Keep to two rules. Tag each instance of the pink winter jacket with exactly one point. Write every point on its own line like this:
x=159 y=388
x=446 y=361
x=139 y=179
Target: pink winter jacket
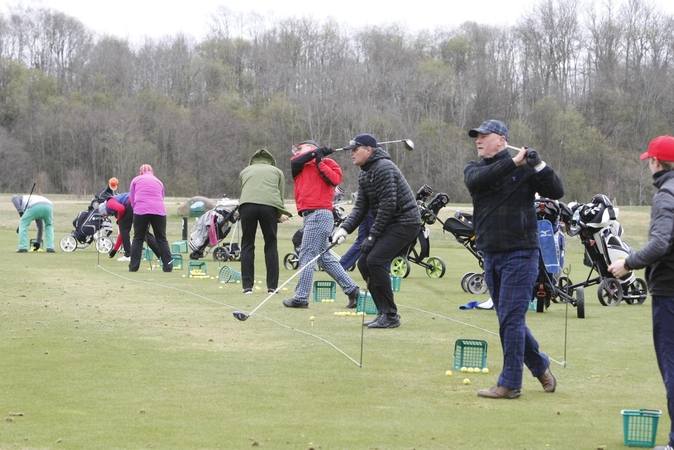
x=147 y=195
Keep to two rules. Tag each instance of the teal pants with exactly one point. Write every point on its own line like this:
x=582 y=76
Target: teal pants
x=44 y=212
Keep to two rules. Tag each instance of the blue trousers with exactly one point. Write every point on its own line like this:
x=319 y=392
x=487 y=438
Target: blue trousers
x=663 y=339
x=510 y=277
x=317 y=228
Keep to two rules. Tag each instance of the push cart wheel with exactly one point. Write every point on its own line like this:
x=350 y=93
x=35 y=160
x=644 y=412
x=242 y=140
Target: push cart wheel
x=564 y=284
x=235 y=255
x=464 y=281
x=436 y=267
x=636 y=292
x=220 y=254
x=103 y=244
x=476 y=284
x=580 y=302
x=291 y=261
x=68 y=243
x=610 y=292
x=400 y=267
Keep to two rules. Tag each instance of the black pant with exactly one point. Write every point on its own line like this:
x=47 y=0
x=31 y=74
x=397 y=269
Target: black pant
x=140 y=225
x=125 y=230
x=267 y=216
x=375 y=266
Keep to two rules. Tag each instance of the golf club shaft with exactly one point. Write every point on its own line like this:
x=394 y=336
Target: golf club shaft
x=29 y=196
x=310 y=263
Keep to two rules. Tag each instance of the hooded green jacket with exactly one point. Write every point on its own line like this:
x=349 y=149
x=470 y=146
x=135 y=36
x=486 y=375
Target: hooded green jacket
x=263 y=183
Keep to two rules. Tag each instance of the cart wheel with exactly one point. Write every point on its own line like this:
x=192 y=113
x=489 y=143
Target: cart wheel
x=637 y=292
x=291 y=261
x=68 y=243
x=564 y=284
x=464 y=281
x=437 y=267
x=103 y=244
x=580 y=302
x=476 y=284
x=235 y=255
x=400 y=267
x=610 y=292
x=220 y=254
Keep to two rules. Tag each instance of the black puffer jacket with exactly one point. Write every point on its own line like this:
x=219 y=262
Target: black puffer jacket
x=383 y=189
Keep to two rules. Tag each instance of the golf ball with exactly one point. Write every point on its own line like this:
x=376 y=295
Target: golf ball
x=312 y=318
x=470 y=370
x=448 y=373
x=466 y=381
x=485 y=370
x=464 y=369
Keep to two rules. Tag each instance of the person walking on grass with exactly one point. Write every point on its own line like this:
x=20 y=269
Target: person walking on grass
x=658 y=259
x=383 y=191
x=146 y=194
x=39 y=209
x=503 y=189
x=315 y=178
x=261 y=202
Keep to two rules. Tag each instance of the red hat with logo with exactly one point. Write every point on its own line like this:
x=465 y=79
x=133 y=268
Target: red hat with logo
x=661 y=148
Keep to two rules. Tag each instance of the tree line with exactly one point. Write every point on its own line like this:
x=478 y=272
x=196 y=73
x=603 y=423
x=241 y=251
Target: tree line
x=588 y=85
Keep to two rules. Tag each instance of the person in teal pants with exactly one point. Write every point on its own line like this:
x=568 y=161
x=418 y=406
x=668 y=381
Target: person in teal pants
x=39 y=209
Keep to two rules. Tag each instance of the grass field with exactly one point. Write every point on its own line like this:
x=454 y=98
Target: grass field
x=92 y=356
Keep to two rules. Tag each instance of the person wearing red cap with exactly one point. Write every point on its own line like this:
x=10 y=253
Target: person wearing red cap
x=657 y=257
x=146 y=194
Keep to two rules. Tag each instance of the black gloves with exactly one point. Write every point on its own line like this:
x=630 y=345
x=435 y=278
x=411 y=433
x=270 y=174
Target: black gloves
x=367 y=245
x=533 y=158
x=21 y=214
x=323 y=152
x=36 y=246
x=112 y=253
x=17 y=230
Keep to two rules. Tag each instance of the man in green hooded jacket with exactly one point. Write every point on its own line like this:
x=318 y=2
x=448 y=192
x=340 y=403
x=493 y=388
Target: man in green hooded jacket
x=261 y=201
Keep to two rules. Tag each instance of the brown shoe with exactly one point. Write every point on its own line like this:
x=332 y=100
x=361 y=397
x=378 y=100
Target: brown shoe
x=499 y=392
x=548 y=381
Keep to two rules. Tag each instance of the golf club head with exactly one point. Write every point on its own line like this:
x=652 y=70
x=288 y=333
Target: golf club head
x=238 y=315
x=408 y=144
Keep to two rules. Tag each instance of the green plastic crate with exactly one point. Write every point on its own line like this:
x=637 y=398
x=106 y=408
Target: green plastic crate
x=324 y=290
x=228 y=275
x=178 y=263
x=147 y=254
x=366 y=304
x=195 y=266
x=640 y=427
x=470 y=353
x=179 y=247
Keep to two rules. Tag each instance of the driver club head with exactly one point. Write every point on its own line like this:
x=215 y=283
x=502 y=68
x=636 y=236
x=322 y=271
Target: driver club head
x=240 y=316
x=408 y=144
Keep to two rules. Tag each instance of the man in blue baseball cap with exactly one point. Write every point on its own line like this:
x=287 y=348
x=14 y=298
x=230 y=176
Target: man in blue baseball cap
x=503 y=188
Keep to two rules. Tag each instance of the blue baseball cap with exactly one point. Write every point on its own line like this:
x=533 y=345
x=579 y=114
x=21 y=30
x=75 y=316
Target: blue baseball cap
x=366 y=140
x=490 y=126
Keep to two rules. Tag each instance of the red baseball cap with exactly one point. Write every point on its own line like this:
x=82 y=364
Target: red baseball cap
x=662 y=148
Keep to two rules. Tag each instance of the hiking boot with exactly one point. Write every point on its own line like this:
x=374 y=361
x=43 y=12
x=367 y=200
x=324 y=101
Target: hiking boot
x=368 y=323
x=50 y=250
x=294 y=303
x=21 y=250
x=499 y=392
x=548 y=381
x=386 y=321
x=353 y=298
x=247 y=291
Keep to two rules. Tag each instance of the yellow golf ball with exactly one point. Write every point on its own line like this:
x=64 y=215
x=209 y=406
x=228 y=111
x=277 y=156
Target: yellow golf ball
x=312 y=318
x=485 y=370
x=466 y=381
x=464 y=369
x=448 y=373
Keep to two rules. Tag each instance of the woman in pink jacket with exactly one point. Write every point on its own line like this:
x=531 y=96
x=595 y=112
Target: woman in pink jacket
x=147 y=199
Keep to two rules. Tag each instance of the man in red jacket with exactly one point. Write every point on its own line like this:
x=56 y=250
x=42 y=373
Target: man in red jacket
x=315 y=179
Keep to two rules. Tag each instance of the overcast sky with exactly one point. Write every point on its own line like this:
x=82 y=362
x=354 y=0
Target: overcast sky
x=135 y=19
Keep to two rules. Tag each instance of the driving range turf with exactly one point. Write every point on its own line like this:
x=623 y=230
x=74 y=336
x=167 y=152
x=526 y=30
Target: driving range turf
x=93 y=356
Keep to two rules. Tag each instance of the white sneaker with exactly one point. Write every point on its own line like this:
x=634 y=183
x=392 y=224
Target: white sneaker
x=124 y=259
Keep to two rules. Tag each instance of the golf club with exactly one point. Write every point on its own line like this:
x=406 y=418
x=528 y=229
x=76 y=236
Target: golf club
x=407 y=144
x=243 y=316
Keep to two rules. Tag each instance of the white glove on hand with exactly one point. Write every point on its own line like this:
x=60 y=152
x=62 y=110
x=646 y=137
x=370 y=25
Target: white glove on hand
x=339 y=236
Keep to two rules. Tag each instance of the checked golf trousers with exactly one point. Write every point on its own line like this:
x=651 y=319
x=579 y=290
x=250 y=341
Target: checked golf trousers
x=317 y=228
x=663 y=339
x=510 y=277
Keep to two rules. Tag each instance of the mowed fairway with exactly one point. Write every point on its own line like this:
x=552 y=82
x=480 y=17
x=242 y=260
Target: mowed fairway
x=92 y=356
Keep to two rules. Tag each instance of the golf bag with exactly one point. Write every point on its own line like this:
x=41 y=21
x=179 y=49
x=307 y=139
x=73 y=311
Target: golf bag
x=88 y=223
x=552 y=246
x=213 y=226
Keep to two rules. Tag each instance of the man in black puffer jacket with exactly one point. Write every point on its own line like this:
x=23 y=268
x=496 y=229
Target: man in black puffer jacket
x=382 y=189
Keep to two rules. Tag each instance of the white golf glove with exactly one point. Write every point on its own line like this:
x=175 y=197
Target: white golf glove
x=339 y=236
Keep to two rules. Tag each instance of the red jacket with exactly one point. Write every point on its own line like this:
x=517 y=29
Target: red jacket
x=314 y=183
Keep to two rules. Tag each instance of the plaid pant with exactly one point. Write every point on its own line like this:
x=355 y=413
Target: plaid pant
x=317 y=228
x=510 y=277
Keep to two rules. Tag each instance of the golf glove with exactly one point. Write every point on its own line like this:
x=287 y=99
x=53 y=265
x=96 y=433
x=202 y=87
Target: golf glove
x=339 y=236
x=367 y=245
x=112 y=253
x=323 y=152
x=36 y=246
x=533 y=158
